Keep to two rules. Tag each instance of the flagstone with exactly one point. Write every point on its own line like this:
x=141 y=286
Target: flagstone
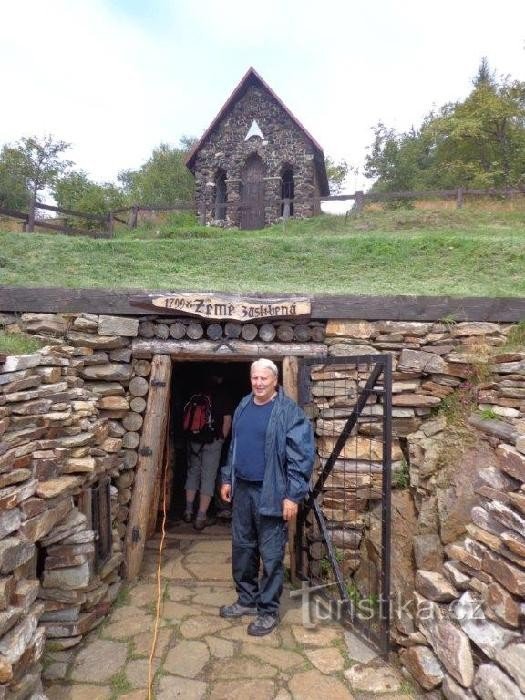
x=173 y=569
x=142 y=642
x=195 y=627
x=178 y=593
x=134 y=695
x=240 y=690
x=175 y=688
x=328 y=660
x=314 y=684
x=212 y=546
x=78 y=692
x=282 y=658
x=142 y=594
x=239 y=634
x=211 y=558
x=126 y=612
x=283 y=694
x=123 y=629
x=374 y=679
x=187 y=659
x=98 y=661
x=137 y=672
x=175 y=612
x=220 y=648
x=294 y=616
x=319 y=636
x=240 y=668
x=217 y=572
x=215 y=598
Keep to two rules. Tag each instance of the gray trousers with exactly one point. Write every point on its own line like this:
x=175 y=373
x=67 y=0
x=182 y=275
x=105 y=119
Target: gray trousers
x=203 y=464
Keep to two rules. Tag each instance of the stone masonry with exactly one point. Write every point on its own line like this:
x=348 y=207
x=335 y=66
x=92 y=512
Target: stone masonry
x=72 y=414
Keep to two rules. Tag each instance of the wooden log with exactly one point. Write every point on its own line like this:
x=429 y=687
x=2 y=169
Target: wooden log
x=137 y=404
x=232 y=329
x=177 y=330
x=285 y=332
x=302 y=333
x=267 y=332
x=232 y=348
x=138 y=386
x=162 y=331
x=291 y=389
x=214 y=331
x=147 y=329
x=249 y=331
x=149 y=465
x=317 y=333
x=195 y=331
x=130 y=441
x=142 y=368
x=132 y=422
x=131 y=458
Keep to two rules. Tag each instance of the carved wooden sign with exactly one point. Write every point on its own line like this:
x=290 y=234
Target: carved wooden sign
x=225 y=307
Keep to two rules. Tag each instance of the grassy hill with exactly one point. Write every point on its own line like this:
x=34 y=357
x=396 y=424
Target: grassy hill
x=453 y=252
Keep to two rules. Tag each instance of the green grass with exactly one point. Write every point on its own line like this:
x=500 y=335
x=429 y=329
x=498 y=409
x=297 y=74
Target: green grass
x=458 y=253
x=18 y=344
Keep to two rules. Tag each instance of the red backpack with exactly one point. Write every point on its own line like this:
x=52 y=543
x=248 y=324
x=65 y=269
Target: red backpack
x=197 y=420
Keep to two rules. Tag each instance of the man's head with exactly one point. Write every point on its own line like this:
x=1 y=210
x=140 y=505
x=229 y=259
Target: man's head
x=263 y=375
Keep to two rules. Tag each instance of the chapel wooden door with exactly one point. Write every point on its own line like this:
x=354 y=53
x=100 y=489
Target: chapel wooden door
x=252 y=205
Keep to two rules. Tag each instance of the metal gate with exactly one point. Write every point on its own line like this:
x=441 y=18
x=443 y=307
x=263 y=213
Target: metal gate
x=342 y=543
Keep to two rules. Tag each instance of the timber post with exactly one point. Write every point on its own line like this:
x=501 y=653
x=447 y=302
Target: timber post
x=151 y=451
x=291 y=389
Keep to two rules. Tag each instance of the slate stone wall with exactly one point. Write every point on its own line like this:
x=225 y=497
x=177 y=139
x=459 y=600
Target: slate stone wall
x=73 y=413
x=283 y=144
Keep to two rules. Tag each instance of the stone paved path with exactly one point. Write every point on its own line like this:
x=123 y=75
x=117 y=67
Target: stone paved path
x=200 y=655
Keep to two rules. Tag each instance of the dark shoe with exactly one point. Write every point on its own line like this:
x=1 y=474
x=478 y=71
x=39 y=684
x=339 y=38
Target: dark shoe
x=202 y=522
x=237 y=610
x=188 y=516
x=263 y=624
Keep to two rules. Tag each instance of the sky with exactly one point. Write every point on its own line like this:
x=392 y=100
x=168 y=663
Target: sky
x=115 y=78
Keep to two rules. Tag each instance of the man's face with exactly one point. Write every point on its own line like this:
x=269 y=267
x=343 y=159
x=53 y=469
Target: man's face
x=263 y=383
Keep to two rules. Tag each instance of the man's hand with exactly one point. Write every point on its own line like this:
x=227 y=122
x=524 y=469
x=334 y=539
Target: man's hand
x=290 y=509
x=226 y=493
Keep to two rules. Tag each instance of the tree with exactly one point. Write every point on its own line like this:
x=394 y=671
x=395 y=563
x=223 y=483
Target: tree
x=336 y=173
x=76 y=191
x=13 y=190
x=477 y=143
x=37 y=162
x=163 y=179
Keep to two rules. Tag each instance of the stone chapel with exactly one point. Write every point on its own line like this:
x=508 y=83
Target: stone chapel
x=256 y=162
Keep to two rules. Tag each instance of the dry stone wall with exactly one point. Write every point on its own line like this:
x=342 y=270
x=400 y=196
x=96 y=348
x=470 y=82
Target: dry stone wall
x=73 y=413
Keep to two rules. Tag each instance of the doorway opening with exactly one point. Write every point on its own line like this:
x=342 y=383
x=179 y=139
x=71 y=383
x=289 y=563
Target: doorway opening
x=188 y=378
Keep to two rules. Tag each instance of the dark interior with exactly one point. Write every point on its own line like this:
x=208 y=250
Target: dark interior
x=187 y=378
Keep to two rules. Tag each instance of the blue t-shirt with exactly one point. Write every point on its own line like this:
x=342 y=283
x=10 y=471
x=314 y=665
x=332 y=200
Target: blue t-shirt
x=250 y=437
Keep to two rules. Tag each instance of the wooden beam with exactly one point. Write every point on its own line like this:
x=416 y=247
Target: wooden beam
x=324 y=306
x=224 y=349
x=291 y=389
x=151 y=451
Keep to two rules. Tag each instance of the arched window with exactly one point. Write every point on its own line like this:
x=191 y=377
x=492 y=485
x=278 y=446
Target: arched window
x=220 y=195
x=287 y=191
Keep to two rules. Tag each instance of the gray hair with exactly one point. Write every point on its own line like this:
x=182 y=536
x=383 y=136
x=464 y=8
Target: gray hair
x=264 y=363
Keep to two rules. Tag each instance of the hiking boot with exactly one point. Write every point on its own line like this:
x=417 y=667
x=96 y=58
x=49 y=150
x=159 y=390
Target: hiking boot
x=187 y=516
x=237 y=610
x=263 y=624
x=202 y=521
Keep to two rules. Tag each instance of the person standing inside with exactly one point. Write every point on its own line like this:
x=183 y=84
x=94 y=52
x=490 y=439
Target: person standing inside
x=267 y=475
x=210 y=414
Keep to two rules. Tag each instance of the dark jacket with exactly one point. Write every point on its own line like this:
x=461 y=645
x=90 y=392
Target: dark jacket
x=289 y=454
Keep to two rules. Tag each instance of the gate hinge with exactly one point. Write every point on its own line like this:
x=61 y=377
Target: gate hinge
x=145 y=452
x=157 y=382
x=135 y=534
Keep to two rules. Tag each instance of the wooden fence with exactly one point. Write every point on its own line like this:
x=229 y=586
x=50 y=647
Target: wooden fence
x=107 y=221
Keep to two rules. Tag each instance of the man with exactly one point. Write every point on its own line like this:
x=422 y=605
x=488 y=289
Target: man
x=204 y=457
x=267 y=475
